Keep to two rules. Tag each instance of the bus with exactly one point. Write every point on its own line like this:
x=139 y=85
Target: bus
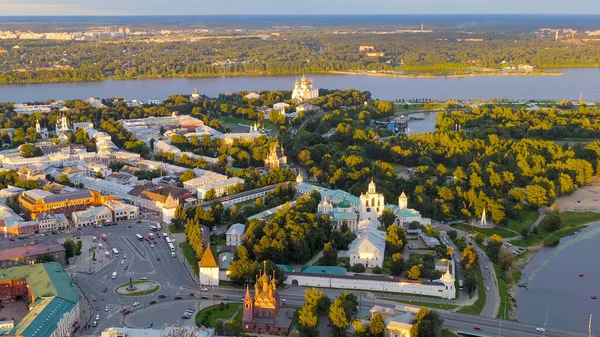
x=104 y=237
x=107 y=253
x=168 y=239
x=139 y=237
x=172 y=247
x=115 y=251
x=165 y=235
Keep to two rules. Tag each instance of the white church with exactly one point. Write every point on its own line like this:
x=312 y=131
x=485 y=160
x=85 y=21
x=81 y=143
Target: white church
x=304 y=90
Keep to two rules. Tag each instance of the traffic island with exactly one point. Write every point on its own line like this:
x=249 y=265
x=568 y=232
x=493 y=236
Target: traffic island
x=137 y=288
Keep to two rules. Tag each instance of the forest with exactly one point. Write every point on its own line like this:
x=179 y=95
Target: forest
x=294 y=52
x=456 y=174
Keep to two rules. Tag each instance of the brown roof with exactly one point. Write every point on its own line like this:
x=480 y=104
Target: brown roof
x=28 y=250
x=208 y=259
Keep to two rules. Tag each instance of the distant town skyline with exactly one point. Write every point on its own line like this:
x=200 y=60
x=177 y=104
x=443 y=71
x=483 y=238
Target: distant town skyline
x=240 y=7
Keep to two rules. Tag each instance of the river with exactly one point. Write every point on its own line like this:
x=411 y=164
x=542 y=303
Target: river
x=566 y=86
x=553 y=283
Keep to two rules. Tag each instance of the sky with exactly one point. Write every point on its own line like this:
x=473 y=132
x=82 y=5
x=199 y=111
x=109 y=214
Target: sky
x=211 y=7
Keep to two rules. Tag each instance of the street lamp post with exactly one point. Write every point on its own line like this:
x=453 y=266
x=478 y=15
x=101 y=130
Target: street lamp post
x=545 y=323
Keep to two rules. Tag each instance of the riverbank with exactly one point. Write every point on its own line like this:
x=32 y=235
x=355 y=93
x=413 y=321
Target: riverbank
x=458 y=74
x=481 y=72
x=572 y=224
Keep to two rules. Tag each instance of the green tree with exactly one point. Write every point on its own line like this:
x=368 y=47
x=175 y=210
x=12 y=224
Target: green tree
x=415 y=272
x=478 y=237
x=493 y=247
x=29 y=151
x=337 y=315
x=187 y=175
x=397 y=264
x=210 y=194
x=387 y=218
x=330 y=255
x=551 y=223
x=396 y=239
x=377 y=326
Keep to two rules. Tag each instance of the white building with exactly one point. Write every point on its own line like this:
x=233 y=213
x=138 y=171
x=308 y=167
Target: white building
x=304 y=90
x=372 y=203
x=163 y=146
x=208 y=269
x=50 y=222
x=342 y=213
x=83 y=125
x=92 y=216
x=122 y=211
x=205 y=177
x=62 y=125
x=397 y=321
x=252 y=95
x=221 y=188
x=43 y=132
x=93 y=169
x=31 y=109
x=103 y=186
x=369 y=246
x=235 y=234
x=281 y=106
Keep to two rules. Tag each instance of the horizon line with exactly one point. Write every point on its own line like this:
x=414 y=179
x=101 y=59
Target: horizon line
x=298 y=14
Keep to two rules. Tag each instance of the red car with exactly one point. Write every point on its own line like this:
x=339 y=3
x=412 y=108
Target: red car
x=94 y=298
x=126 y=311
x=121 y=248
x=477 y=328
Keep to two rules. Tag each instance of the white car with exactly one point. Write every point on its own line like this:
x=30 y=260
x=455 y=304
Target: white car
x=106 y=309
x=283 y=300
x=135 y=304
x=487 y=288
x=204 y=289
x=122 y=261
x=98 y=317
x=143 y=278
x=540 y=329
x=152 y=246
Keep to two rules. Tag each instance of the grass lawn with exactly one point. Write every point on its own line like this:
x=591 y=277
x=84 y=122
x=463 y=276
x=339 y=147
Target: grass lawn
x=503 y=285
x=441 y=306
x=476 y=308
x=448 y=333
x=571 y=222
x=139 y=293
x=174 y=229
x=190 y=255
x=217 y=240
x=215 y=313
x=525 y=221
x=486 y=231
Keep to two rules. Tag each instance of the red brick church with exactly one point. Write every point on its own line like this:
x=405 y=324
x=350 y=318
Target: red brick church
x=263 y=313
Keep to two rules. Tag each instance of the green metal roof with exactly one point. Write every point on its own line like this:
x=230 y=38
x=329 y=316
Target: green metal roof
x=328 y=270
x=285 y=268
x=54 y=295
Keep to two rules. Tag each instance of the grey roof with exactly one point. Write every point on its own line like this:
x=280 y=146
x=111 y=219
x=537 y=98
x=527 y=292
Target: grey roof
x=68 y=196
x=236 y=229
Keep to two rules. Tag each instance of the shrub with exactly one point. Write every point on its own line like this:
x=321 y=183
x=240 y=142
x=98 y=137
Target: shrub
x=551 y=223
x=358 y=268
x=221 y=306
x=376 y=270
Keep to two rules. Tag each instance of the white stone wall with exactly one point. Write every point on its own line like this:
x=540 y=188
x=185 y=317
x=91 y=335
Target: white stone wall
x=65 y=325
x=209 y=276
x=324 y=281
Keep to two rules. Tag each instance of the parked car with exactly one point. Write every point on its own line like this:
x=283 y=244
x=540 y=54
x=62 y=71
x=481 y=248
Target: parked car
x=97 y=317
x=95 y=323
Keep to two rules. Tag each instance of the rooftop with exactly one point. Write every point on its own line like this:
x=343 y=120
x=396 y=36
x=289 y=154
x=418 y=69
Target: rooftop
x=17 y=252
x=328 y=270
x=236 y=229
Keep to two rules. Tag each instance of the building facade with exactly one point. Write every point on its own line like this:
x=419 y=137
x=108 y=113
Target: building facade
x=304 y=90
x=92 y=216
x=263 y=314
x=235 y=234
x=208 y=269
x=32 y=254
x=34 y=202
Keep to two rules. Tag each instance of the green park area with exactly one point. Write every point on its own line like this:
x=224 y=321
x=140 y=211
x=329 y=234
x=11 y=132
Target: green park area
x=513 y=228
x=570 y=222
x=476 y=308
x=223 y=311
x=190 y=255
